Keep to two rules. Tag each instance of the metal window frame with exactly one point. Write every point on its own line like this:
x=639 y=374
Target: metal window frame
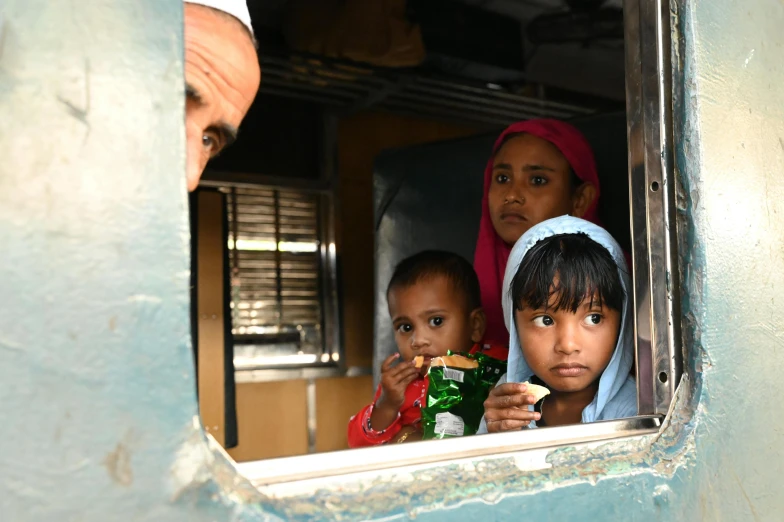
x=652 y=202
x=324 y=189
x=656 y=299
x=275 y=477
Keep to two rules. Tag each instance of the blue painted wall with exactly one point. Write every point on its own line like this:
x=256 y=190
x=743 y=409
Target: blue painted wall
x=96 y=384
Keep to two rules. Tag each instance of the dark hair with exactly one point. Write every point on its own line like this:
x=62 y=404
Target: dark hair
x=574 y=180
x=433 y=263
x=584 y=269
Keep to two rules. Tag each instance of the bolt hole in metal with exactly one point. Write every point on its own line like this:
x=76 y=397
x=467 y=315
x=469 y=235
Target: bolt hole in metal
x=663 y=377
x=655 y=186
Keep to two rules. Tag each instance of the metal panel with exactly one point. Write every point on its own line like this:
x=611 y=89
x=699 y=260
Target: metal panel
x=425 y=197
x=353 y=86
x=98 y=391
x=652 y=193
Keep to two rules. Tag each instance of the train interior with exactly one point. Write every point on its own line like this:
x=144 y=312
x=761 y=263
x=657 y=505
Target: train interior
x=366 y=143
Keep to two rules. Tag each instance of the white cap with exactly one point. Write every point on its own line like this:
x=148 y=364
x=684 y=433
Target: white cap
x=236 y=8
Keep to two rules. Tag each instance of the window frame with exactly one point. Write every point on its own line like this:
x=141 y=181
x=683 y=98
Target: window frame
x=656 y=289
x=354 y=464
x=652 y=192
x=323 y=188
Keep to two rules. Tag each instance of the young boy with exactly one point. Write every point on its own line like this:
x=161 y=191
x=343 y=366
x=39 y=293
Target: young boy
x=435 y=306
x=568 y=306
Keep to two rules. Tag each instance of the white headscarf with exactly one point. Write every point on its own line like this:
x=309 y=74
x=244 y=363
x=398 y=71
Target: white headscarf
x=617 y=394
x=236 y=8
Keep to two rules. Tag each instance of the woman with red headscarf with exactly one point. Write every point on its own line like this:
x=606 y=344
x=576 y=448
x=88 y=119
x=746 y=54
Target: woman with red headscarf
x=539 y=169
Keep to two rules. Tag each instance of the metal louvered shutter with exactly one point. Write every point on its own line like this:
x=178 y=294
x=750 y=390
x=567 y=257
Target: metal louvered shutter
x=274 y=252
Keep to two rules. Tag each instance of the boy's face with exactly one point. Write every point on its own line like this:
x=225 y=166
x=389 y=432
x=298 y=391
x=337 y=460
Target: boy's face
x=568 y=351
x=430 y=318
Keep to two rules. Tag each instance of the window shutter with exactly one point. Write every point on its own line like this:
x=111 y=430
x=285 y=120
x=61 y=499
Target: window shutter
x=275 y=265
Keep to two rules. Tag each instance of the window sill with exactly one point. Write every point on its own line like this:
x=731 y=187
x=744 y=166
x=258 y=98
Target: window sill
x=536 y=443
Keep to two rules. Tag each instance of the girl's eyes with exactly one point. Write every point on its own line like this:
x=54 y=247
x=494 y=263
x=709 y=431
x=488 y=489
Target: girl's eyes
x=436 y=321
x=592 y=319
x=404 y=328
x=538 y=180
x=544 y=321
x=502 y=178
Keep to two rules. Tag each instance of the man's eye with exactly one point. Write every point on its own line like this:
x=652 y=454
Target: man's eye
x=502 y=178
x=543 y=320
x=593 y=319
x=436 y=321
x=404 y=328
x=211 y=143
x=538 y=180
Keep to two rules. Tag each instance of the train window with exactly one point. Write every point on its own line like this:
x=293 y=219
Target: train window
x=392 y=142
x=278 y=268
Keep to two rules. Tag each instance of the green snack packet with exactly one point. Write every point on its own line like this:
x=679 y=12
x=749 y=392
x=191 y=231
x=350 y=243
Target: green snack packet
x=457 y=388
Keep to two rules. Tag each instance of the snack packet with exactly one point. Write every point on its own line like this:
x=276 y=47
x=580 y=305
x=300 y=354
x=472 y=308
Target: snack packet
x=457 y=388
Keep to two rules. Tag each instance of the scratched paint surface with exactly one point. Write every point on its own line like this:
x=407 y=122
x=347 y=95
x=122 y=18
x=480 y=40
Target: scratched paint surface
x=96 y=381
x=97 y=395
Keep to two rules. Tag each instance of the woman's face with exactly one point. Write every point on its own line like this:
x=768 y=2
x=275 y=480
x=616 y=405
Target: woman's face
x=531 y=182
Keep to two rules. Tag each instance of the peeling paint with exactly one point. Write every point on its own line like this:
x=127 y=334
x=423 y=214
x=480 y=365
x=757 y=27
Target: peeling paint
x=118 y=464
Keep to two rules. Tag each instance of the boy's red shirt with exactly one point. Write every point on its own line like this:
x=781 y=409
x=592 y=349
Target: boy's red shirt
x=361 y=433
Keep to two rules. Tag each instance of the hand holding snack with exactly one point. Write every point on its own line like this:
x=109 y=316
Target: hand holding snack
x=506 y=408
x=394 y=381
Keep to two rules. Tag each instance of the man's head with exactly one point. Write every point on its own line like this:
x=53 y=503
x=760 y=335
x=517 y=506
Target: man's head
x=435 y=305
x=221 y=76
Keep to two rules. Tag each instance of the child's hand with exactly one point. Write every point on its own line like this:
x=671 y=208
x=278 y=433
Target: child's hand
x=393 y=391
x=506 y=408
x=395 y=380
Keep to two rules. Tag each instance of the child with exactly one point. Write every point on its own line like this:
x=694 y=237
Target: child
x=569 y=306
x=539 y=169
x=434 y=304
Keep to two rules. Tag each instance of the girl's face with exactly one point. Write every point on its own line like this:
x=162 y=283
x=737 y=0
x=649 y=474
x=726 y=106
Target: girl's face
x=568 y=351
x=531 y=183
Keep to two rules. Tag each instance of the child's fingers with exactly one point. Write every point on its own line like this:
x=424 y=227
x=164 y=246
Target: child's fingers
x=506 y=425
x=509 y=388
x=408 y=375
x=512 y=414
x=400 y=369
x=500 y=402
x=388 y=362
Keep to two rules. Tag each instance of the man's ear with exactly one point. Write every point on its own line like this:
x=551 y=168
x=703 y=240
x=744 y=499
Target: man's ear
x=478 y=322
x=582 y=199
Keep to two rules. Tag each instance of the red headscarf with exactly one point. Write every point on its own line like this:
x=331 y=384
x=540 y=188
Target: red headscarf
x=491 y=251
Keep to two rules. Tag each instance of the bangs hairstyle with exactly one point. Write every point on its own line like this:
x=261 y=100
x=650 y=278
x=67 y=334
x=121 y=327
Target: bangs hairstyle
x=434 y=263
x=583 y=268
x=574 y=180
